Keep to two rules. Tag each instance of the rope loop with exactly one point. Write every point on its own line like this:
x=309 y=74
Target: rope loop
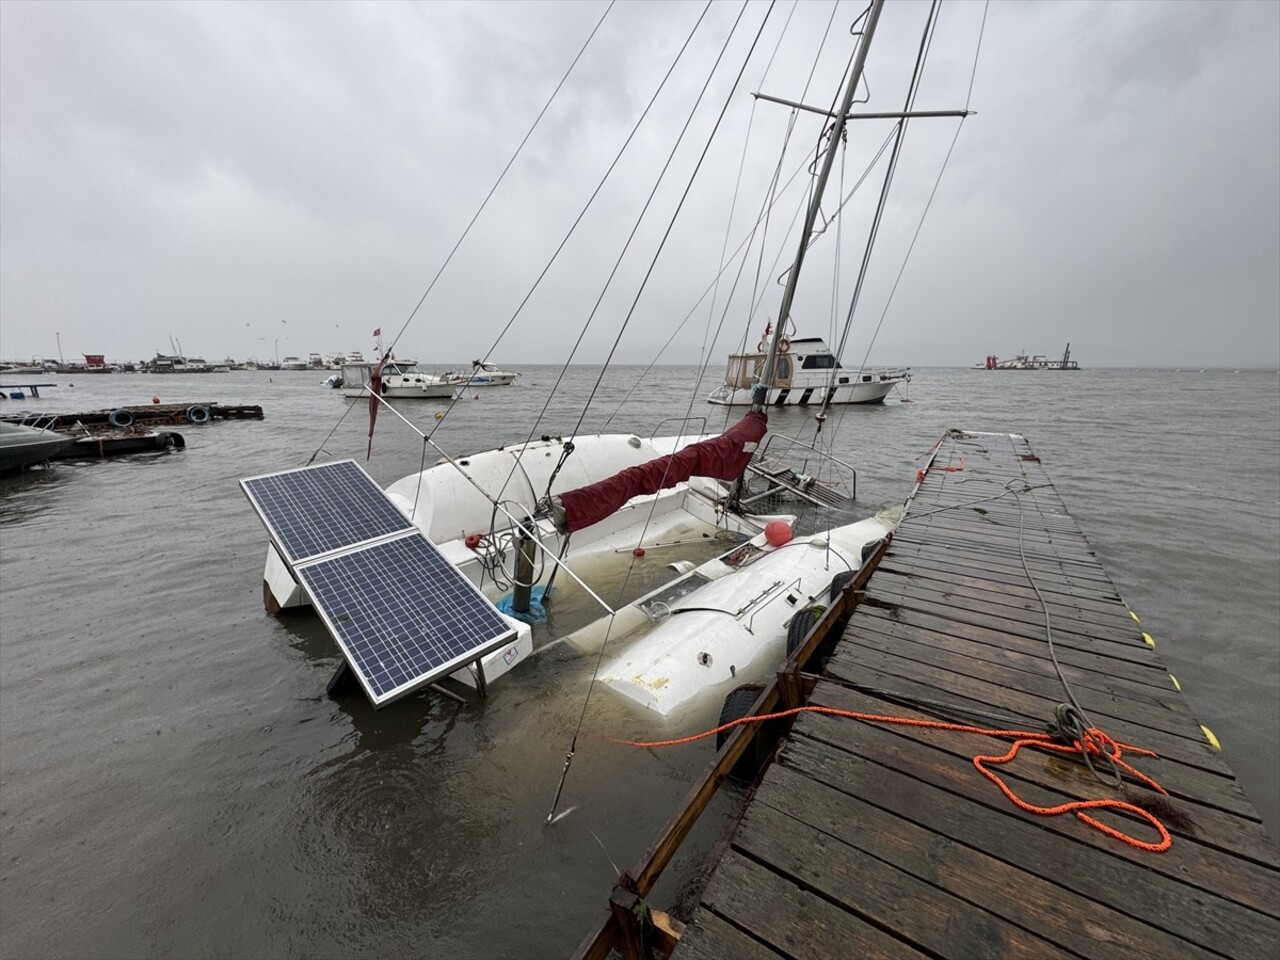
x=1088 y=742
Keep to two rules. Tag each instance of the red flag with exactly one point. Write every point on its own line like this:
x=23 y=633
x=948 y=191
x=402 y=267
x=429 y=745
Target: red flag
x=378 y=332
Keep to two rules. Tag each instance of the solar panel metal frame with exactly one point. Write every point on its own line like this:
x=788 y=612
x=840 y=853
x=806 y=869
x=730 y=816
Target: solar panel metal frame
x=251 y=489
x=440 y=667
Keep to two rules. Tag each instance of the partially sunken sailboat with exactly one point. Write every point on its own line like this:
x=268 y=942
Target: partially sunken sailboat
x=447 y=572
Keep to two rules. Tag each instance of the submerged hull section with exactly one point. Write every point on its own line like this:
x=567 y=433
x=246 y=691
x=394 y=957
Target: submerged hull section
x=22 y=446
x=733 y=625
x=664 y=654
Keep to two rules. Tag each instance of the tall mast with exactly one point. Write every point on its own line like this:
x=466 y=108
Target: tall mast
x=837 y=132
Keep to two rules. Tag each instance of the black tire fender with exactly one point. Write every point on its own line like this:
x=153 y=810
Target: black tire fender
x=737 y=704
x=801 y=624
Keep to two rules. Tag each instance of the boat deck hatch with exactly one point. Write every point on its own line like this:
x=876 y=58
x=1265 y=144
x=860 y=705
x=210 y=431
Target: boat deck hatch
x=659 y=605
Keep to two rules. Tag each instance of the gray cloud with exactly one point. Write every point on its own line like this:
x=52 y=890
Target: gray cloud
x=209 y=171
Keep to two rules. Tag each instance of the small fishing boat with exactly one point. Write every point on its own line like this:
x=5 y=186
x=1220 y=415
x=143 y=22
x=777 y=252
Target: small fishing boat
x=805 y=372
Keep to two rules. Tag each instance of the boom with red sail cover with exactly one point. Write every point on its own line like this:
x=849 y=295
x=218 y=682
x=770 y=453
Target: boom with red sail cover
x=721 y=458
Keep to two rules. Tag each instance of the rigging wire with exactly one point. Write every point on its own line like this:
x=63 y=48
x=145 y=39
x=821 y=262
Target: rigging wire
x=572 y=228
x=912 y=91
x=634 y=303
x=773 y=184
x=653 y=262
x=493 y=189
x=479 y=210
x=742 y=248
x=932 y=193
x=733 y=204
x=772 y=197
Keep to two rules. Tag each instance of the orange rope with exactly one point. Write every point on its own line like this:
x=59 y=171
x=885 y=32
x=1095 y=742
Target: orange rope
x=1096 y=742
x=923 y=471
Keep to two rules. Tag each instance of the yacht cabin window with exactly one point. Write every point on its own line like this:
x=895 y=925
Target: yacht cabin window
x=819 y=361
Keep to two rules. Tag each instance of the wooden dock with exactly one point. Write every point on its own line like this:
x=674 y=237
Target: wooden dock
x=867 y=839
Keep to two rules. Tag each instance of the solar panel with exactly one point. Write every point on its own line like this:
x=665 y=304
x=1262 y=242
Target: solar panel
x=315 y=510
x=403 y=614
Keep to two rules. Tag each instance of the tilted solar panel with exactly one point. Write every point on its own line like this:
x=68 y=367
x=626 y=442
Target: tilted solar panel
x=403 y=614
x=315 y=510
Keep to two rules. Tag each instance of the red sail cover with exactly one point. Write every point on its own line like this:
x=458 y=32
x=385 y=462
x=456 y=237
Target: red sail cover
x=723 y=458
x=375 y=388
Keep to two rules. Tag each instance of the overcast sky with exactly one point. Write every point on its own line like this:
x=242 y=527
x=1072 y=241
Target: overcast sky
x=260 y=178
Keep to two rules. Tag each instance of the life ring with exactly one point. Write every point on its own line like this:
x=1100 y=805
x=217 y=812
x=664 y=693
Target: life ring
x=198 y=413
x=121 y=418
x=760 y=347
x=784 y=345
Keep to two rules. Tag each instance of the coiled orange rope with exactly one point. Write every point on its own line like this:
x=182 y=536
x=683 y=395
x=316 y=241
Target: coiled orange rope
x=1095 y=742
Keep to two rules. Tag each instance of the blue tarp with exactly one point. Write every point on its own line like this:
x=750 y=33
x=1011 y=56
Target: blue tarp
x=537 y=607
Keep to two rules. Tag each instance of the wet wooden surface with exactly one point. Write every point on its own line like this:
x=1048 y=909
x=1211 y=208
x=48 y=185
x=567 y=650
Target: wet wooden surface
x=867 y=839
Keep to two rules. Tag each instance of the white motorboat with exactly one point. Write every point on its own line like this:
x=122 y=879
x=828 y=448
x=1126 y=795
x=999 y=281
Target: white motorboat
x=399 y=381
x=806 y=373
x=294 y=363
x=481 y=374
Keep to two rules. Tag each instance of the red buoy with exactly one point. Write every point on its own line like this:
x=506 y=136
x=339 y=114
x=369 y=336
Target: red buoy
x=473 y=540
x=638 y=552
x=777 y=532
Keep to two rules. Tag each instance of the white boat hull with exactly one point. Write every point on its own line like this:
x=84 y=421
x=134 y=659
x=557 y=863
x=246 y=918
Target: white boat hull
x=872 y=390
x=806 y=373
x=407 y=391
x=399 y=381
x=665 y=658
x=487 y=380
x=735 y=627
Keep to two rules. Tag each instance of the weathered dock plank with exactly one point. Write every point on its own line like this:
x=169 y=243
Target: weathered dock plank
x=974 y=875
x=808 y=925
x=865 y=826
x=1086 y=669
x=711 y=938
x=1130 y=663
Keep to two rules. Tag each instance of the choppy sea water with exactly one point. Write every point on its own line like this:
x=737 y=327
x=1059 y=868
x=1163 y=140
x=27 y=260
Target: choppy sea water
x=174 y=782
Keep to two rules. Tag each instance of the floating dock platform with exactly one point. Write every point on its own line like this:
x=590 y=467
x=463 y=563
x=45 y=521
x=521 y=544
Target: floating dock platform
x=876 y=839
x=121 y=443
x=143 y=415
